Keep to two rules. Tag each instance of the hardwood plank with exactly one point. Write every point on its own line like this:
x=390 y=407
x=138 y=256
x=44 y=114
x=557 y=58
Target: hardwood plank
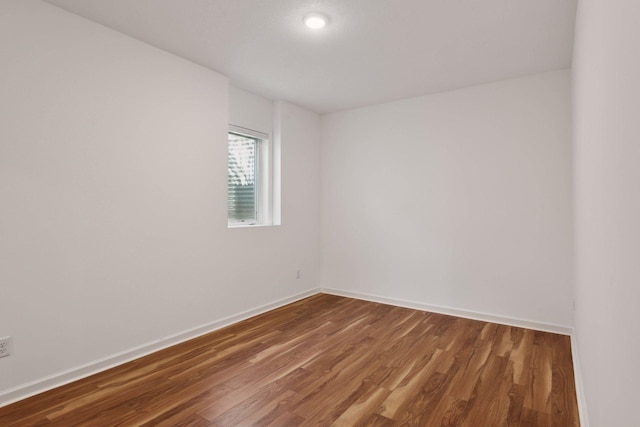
x=533 y=418
x=192 y=421
x=408 y=387
x=187 y=410
x=521 y=357
x=329 y=360
x=362 y=408
x=273 y=411
x=502 y=343
x=516 y=396
x=287 y=419
x=466 y=378
x=266 y=398
x=418 y=408
x=564 y=405
x=377 y=420
x=450 y=411
x=539 y=387
x=486 y=405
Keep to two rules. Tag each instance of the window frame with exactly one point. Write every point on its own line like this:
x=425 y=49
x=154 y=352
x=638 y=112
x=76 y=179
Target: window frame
x=264 y=178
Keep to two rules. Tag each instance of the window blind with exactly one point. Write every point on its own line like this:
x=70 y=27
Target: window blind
x=242 y=190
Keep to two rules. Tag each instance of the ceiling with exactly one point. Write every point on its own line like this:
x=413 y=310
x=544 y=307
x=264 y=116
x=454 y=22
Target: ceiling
x=372 y=50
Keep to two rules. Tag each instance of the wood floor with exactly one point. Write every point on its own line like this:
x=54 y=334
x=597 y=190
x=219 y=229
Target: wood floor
x=324 y=361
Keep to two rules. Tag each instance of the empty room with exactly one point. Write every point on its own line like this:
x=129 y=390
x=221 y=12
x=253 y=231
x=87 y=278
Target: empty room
x=319 y=212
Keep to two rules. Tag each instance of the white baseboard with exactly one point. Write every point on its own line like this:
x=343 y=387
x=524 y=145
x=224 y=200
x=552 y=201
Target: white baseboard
x=577 y=372
x=485 y=317
x=56 y=380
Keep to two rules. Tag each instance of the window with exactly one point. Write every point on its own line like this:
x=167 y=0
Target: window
x=248 y=195
x=242 y=195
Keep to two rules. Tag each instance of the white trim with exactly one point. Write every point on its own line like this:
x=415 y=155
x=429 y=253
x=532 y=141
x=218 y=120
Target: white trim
x=248 y=132
x=467 y=314
x=56 y=380
x=577 y=373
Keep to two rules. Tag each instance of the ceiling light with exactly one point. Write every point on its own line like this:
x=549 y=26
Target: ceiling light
x=315 y=21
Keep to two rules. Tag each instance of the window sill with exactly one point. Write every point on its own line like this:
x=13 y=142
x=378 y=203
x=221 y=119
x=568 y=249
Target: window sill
x=249 y=225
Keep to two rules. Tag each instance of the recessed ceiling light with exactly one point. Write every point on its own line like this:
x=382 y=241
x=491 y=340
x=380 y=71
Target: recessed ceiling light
x=315 y=20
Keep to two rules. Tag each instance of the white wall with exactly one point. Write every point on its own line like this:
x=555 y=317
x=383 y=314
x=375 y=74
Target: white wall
x=113 y=230
x=250 y=111
x=606 y=124
x=460 y=199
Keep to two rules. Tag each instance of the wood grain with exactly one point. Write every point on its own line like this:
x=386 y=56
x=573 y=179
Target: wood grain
x=329 y=361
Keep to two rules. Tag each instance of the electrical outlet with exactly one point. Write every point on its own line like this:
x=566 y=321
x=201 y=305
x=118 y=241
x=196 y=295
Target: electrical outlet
x=297 y=274
x=5 y=346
